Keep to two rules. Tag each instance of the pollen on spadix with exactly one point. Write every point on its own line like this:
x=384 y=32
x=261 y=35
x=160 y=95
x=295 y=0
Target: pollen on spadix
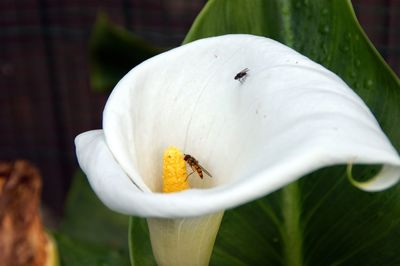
x=174 y=171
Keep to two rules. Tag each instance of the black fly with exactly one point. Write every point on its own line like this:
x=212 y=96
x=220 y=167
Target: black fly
x=241 y=76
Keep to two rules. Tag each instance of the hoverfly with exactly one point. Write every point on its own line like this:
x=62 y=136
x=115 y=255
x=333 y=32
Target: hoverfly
x=241 y=76
x=196 y=167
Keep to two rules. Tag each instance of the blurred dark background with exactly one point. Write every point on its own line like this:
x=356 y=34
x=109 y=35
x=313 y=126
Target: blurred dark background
x=45 y=95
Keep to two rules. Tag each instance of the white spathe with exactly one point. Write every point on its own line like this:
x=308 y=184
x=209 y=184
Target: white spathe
x=290 y=116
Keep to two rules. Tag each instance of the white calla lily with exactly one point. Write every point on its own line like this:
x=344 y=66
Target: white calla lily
x=288 y=117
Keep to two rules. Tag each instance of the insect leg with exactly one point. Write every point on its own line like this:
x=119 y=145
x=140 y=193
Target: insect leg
x=189 y=175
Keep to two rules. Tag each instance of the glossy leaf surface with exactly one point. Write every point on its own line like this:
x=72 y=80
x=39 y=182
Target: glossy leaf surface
x=91 y=234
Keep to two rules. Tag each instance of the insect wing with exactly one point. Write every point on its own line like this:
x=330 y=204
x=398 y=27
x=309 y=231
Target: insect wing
x=205 y=171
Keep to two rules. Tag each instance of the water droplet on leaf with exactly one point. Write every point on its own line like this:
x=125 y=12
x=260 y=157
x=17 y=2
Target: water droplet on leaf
x=345 y=48
x=324 y=29
x=369 y=83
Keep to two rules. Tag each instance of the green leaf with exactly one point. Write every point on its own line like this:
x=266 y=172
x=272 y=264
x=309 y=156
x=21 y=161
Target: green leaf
x=321 y=219
x=90 y=233
x=79 y=253
x=139 y=243
x=113 y=52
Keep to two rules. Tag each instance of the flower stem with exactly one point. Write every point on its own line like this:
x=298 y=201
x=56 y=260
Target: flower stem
x=291 y=213
x=184 y=241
